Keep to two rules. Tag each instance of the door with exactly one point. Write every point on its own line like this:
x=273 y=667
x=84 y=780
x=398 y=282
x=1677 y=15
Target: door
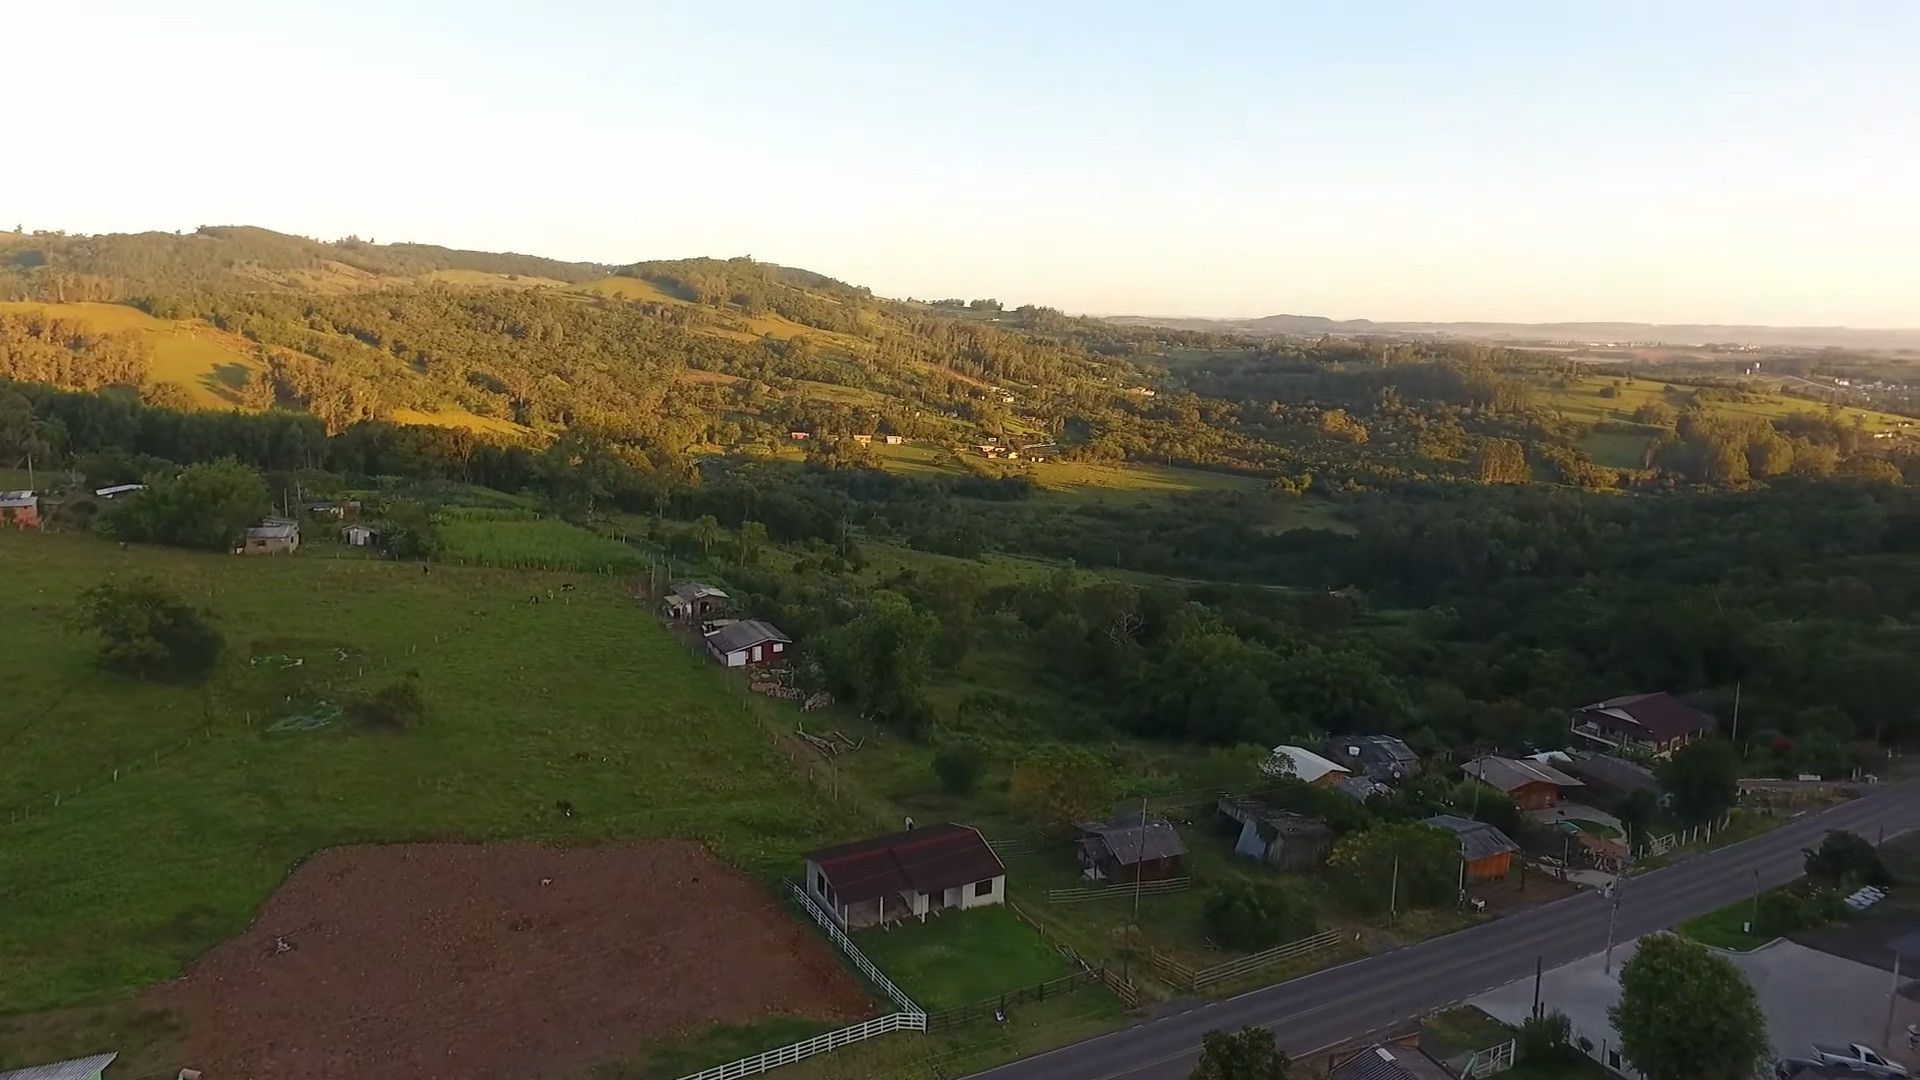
x=756 y=654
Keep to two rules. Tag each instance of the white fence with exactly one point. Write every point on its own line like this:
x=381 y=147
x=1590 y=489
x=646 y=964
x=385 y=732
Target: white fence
x=819 y=1044
x=852 y=953
x=1494 y=1059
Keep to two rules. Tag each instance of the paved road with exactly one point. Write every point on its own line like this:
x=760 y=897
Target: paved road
x=1331 y=1006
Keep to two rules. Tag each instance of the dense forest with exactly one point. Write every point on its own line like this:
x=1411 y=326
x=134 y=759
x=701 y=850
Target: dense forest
x=1468 y=570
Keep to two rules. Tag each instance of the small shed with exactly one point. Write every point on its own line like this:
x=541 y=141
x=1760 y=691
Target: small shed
x=360 y=535
x=108 y=494
x=863 y=440
x=693 y=600
x=20 y=509
x=337 y=509
x=272 y=538
x=1487 y=851
x=1280 y=838
x=86 y=1068
x=747 y=643
x=1303 y=764
x=1130 y=851
x=893 y=440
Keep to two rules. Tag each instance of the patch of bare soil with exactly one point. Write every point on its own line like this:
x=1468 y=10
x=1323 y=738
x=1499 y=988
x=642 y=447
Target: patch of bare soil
x=422 y=961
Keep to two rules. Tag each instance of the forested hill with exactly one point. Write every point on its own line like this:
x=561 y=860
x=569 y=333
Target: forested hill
x=351 y=331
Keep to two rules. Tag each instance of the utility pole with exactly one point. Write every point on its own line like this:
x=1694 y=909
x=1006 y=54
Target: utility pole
x=1393 y=892
x=1133 y=928
x=1735 y=737
x=1613 y=912
x=1539 y=972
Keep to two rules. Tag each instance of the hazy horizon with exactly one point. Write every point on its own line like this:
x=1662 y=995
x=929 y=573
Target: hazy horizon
x=1399 y=163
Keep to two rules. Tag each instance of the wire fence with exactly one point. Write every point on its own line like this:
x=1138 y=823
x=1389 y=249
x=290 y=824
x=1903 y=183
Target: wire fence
x=1120 y=891
x=998 y=1005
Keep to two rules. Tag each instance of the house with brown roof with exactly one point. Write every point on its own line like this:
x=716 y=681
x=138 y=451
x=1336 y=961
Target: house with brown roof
x=1651 y=725
x=1532 y=785
x=1486 y=853
x=914 y=873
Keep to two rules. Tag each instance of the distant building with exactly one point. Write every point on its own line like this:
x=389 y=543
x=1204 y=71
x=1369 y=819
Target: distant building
x=274 y=537
x=905 y=874
x=359 y=535
x=799 y=436
x=1303 y=764
x=20 y=509
x=693 y=600
x=111 y=493
x=1531 y=785
x=1280 y=838
x=1487 y=852
x=337 y=509
x=1361 y=788
x=863 y=440
x=86 y=1068
x=747 y=643
x=893 y=440
x=1654 y=725
x=1381 y=757
x=1130 y=851
x=1606 y=774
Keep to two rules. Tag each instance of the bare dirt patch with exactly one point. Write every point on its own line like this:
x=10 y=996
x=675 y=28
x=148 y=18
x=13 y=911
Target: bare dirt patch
x=420 y=961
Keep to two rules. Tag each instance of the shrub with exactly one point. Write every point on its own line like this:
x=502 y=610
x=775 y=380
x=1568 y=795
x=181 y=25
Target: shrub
x=958 y=768
x=1545 y=1037
x=148 y=633
x=1254 y=915
x=1846 y=859
x=396 y=707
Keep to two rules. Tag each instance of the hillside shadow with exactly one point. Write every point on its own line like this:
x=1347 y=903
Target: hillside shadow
x=225 y=381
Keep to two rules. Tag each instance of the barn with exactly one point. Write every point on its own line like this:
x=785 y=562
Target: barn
x=913 y=873
x=748 y=642
x=1130 y=850
x=1282 y=839
x=693 y=600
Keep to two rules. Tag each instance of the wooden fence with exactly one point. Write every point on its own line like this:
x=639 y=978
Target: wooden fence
x=1198 y=980
x=1118 y=892
x=806 y=1048
x=946 y=1018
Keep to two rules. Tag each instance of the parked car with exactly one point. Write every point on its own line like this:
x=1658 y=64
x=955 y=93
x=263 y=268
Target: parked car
x=1859 y=1056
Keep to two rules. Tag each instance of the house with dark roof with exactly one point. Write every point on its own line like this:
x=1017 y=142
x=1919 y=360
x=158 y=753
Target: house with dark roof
x=86 y=1068
x=1486 y=851
x=1130 y=850
x=1361 y=788
x=1382 y=758
x=747 y=643
x=1608 y=775
x=1280 y=838
x=914 y=873
x=1383 y=1061
x=1532 y=785
x=1650 y=725
x=693 y=600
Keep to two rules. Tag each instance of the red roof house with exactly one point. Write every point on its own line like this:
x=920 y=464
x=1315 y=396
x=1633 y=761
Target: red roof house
x=1650 y=724
x=917 y=872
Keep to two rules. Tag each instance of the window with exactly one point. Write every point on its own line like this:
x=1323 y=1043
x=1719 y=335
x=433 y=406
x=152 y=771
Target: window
x=1613 y=1059
x=983 y=888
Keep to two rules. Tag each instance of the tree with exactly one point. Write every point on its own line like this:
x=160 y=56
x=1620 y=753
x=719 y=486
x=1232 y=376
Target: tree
x=882 y=657
x=395 y=707
x=149 y=633
x=958 y=767
x=1687 y=1014
x=1413 y=861
x=1058 y=784
x=1703 y=779
x=410 y=531
x=1636 y=811
x=1846 y=860
x=706 y=532
x=1250 y=915
x=202 y=506
x=752 y=540
x=1247 y=1054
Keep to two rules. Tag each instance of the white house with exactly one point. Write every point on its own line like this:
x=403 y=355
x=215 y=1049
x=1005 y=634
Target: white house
x=914 y=873
x=359 y=535
x=1303 y=764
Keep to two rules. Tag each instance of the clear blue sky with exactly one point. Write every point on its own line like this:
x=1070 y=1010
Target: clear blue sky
x=1737 y=162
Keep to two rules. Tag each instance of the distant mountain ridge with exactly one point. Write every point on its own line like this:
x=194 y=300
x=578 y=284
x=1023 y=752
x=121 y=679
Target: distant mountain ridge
x=1618 y=333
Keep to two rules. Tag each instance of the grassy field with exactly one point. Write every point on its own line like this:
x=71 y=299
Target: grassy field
x=628 y=288
x=459 y=418
x=517 y=540
x=143 y=823
x=1582 y=401
x=1726 y=928
x=963 y=957
x=209 y=363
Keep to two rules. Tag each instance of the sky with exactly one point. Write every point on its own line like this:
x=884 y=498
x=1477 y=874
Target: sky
x=1742 y=162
